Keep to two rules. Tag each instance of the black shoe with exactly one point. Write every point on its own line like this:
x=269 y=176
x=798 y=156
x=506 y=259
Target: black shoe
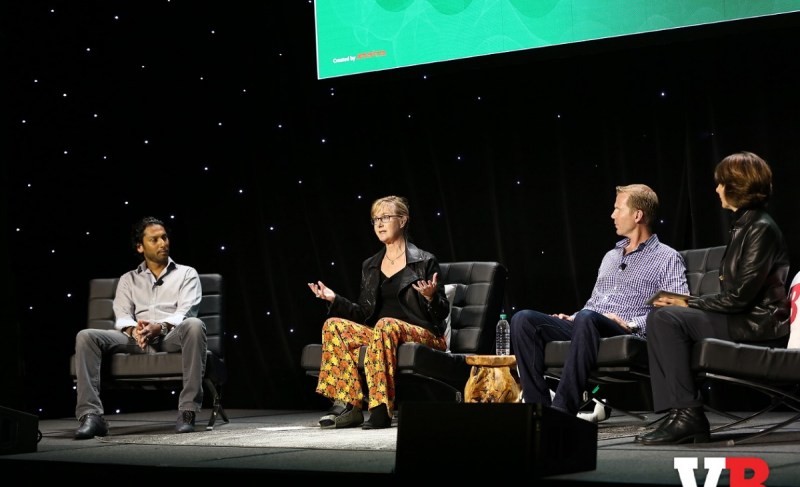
x=185 y=422
x=683 y=426
x=329 y=420
x=349 y=419
x=338 y=408
x=663 y=422
x=91 y=425
x=378 y=418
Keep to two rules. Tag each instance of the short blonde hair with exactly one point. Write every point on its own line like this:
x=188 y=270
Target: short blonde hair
x=641 y=197
x=398 y=203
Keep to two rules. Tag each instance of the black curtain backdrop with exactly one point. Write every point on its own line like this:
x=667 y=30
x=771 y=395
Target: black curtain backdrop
x=209 y=115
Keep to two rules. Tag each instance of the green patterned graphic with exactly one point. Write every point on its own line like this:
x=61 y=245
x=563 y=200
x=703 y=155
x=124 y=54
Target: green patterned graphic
x=359 y=36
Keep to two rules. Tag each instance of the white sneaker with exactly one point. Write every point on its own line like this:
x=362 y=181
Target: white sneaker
x=601 y=413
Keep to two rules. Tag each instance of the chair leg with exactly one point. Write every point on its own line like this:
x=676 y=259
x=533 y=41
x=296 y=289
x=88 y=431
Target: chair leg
x=658 y=420
x=765 y=431
x=216 y=408
x=222 y=414
x=778 y=397
x=736 y=420
x=730 y=416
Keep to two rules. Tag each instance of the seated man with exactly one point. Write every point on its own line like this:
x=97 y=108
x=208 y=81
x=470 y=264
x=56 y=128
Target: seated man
x=636 y=268
x=156 y=308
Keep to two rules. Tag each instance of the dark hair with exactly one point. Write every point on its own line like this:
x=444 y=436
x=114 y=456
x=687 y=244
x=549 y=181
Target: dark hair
x=137 y=234
x=746 y=178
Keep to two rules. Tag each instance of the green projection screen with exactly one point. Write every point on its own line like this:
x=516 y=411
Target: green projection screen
x=360 y=36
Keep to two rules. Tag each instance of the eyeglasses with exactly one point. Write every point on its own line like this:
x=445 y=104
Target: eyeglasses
x=382 y=219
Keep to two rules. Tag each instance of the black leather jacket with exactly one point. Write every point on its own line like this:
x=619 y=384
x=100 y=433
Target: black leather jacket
x=752 y=280
x=419 y=265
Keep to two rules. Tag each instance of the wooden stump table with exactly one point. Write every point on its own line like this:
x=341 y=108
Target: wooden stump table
x=490 y=379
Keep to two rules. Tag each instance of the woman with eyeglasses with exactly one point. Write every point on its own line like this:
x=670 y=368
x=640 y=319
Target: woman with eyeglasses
x=400 y=301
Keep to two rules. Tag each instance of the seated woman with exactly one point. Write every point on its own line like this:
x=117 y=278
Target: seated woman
x=400 y=301
x=752 y=305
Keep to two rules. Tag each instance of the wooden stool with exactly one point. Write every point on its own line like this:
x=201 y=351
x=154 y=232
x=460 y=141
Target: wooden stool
x=490 y=379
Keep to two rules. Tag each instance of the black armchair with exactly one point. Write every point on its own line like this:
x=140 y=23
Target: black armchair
x=771 y=369
x=162 y=370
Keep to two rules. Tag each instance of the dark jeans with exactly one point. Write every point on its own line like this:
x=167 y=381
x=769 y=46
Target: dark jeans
x=532 y=330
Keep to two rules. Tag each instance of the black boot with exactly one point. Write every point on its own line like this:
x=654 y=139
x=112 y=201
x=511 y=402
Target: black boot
x=378 y=418
x=682 y=426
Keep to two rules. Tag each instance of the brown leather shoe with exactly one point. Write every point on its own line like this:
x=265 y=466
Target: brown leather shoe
x=683 y=426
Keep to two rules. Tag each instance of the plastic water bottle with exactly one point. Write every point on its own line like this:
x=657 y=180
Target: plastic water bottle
x=502 y=338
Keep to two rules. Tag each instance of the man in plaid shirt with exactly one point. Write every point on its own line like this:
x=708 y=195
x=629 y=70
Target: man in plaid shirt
x=637 y=267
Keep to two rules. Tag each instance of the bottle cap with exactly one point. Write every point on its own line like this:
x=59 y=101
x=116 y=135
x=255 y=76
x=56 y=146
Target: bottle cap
x=503 y=316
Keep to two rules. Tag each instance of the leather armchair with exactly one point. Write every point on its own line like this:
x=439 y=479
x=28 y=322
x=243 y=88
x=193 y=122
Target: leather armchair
x=162 y=370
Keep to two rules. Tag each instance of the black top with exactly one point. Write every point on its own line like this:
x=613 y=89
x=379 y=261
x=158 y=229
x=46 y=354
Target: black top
x=388 y=304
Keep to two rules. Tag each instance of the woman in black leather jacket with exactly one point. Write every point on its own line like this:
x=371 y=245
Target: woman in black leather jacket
x=400 y=301
x=752 y=305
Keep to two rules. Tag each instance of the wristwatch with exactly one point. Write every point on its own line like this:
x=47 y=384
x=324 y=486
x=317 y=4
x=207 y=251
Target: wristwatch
x=164 y=328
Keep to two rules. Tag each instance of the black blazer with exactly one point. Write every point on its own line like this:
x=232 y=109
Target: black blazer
x=752 y=277
x=419 y=265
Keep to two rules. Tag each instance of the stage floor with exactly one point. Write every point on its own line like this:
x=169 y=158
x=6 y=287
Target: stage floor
x=283 y=443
